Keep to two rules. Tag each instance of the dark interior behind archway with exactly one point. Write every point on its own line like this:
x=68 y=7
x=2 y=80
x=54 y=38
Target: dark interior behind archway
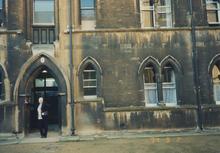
x=45 y=85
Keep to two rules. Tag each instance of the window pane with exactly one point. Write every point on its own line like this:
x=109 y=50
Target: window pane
x=39 y=83
x=88 y=14
x=162 y=19
x=87 y=3
x=169 y=92
x=51 y=82
x=87 y=9
x=147 y=18
x=164 y=2
x=212 y=16
x=51 y=36
x=1 y=4
x=146 y=3
x=89 y=75
x=89 y=91
x=216 y=88
x=43 y=11
x=211 y=6
x=149 y=75
x=88 y=83
x=89 y=80
x=150 y=91
x=43 y=36
x=169 y=75
x=36 y=36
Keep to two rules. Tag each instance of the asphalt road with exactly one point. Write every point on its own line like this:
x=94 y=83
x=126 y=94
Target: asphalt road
x=189 y=144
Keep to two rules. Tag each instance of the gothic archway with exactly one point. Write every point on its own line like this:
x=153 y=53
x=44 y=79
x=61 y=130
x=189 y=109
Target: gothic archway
x=24 y=88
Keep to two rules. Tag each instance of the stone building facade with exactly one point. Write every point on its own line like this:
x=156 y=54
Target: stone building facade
x=134 y=64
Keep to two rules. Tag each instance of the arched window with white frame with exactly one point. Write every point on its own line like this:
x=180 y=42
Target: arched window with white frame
x=169 y=85
x=90 y=81
x=150 y=85
x=216 y=83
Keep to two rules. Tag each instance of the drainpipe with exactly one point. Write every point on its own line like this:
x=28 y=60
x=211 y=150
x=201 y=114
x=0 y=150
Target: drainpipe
x=195 y=69
x=72 y=125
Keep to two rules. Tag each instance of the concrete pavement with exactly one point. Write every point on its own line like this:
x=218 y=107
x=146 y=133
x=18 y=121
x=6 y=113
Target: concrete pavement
x=9 y=138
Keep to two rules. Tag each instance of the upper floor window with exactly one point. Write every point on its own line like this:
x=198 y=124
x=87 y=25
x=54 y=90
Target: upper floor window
x=150 y=85
x=88 y=14
x=43 y=12
x=89 y=81
x=155 y=13
x=213 y=11
x=1 y=13
x=169 y=85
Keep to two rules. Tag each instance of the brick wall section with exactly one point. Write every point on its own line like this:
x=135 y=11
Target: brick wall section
x=117 y=14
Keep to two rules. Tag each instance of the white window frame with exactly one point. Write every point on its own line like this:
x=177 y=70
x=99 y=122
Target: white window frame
x=89 y=80
x=170 y=85
x=146 y=9
x=216 y=83
x=165 y=10
x=88 y=24
x=210 y=9
x=150 y=87
x=42 y=24
x=156 y=10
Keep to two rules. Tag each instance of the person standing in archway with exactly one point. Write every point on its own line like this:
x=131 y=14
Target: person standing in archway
x=42 y=111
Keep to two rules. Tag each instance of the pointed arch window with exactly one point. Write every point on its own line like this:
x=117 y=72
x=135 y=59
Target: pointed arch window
x=90 y=81
x=150 y=85
x=216 y=83
x=2 y=13
x=169 y=85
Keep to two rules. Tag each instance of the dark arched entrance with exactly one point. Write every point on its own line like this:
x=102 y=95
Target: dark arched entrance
x=44 y=85
x=30 y=85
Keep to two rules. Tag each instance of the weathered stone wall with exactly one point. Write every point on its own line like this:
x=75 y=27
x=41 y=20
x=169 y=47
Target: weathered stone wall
x=6 y=118
x=117 y=14
x=120 y=55
x=207 y=43
x=94 y=117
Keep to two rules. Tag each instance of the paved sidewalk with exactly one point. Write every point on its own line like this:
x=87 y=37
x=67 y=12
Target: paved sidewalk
x=9 y=138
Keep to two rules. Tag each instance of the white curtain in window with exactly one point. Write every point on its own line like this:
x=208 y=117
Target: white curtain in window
x=169 y=92
x=169 y=87
x=216 y=83
x=216 y=87
x=150 y=93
